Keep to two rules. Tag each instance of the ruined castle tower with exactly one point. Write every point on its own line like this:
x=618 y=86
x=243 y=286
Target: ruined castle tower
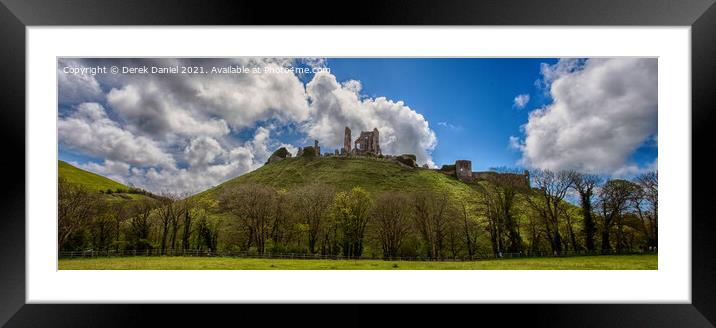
x=376 y=142
x=463 y=170
x=368 y=143
x=317 y=148
x=346 y=142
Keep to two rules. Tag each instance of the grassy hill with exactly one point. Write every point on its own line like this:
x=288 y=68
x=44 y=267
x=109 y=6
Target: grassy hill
x=87 y=179
x=94 y=182
x=372 y=174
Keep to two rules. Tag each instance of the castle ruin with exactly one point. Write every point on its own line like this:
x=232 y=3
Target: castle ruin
x=346 y=142
x=367 y=143
x=462 y=170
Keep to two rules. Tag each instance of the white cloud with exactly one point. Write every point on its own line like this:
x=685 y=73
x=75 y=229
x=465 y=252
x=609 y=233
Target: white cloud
x=246 y=99
x=76 y=88
x=516 y=143
x=521 y=101
x=181 y=133
x=602 y=111
x=630 y=169
x=89 y=130
x=334 y=106
x=209 y=165
x=202 y=151
x=563 y=67
x=147 y=108
x=114 y=170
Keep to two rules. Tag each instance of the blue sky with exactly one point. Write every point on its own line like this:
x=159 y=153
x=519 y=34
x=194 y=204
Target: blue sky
x=597 y=115
x=473 y=98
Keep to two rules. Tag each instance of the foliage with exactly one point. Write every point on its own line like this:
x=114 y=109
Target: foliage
x=367 y=207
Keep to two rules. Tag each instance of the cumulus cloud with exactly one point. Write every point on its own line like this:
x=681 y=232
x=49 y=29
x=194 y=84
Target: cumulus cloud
x=76 y=88
x=89 y=130
x=516 y=144
x=602 y=111
x=209 y=164
x=521 y=101
x=334 y=106
x=186 y=133
x=202 y=151
x=150 y=109
x=114 y=170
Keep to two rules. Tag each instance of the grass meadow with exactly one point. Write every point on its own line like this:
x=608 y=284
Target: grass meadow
x=621 y=262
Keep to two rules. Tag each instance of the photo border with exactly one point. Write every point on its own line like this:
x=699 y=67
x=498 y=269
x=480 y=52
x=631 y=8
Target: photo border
x=15 y=15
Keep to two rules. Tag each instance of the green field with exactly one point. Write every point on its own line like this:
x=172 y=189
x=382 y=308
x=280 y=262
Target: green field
x=623 y=262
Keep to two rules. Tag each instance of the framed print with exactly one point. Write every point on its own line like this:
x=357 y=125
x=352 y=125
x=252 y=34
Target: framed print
x=494 y=154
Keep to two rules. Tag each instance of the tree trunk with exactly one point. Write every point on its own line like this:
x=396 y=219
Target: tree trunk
x=588 y=221
x=605 y=240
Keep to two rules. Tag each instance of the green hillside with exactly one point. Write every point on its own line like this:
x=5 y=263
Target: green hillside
x=372 y=174
x=95 y=182
x=87 y=179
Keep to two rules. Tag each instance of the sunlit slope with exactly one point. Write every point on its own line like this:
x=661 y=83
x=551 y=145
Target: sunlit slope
x=86 y=179
x=372 y=174
x=95 y=182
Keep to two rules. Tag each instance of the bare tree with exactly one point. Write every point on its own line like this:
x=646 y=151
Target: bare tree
x=431 y=219
x=188 y=216
x=584 y=185
x=646 y=203
x=551 y=188
x=391 y=213
x=169 y=213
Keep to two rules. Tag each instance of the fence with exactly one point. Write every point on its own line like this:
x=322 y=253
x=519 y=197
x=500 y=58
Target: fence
x=207 y=253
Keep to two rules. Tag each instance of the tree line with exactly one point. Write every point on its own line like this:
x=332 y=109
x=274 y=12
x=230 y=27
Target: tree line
x=562 y=211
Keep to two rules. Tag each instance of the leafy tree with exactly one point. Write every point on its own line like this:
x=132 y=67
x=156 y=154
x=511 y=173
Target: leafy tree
x=351 y=212
x=313 y=203
x=140 y=224
x=254 y=206
x=75 y=209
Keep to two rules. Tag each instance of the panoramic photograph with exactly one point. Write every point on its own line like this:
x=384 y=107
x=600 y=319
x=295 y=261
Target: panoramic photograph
x=283 y=163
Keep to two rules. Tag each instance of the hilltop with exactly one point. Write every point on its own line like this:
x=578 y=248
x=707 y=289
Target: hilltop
x=372 y=174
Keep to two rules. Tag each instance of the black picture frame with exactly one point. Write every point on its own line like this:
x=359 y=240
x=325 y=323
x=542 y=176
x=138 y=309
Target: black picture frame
x=15 y=15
